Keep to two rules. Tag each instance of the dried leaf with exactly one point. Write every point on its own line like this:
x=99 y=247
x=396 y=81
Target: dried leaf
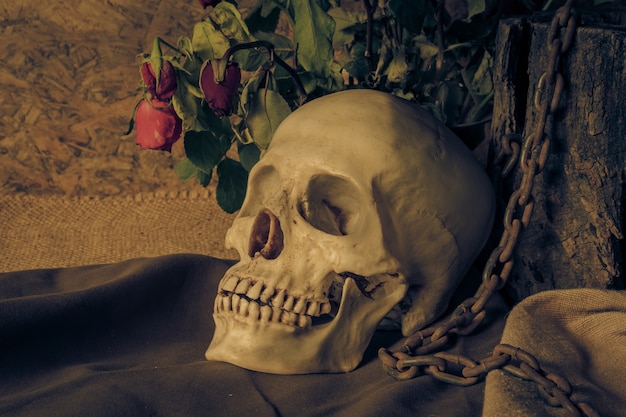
x=267 y=110
x=313 y=33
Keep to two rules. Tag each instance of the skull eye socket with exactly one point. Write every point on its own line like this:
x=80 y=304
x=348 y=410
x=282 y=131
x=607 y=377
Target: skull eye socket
x=332 y=205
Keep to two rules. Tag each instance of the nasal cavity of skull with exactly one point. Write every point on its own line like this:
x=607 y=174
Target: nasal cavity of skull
x=331 y=204
x=266 y=237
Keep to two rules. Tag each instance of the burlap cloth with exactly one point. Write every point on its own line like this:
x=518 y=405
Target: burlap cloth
x=63 y=231
x=579 y=334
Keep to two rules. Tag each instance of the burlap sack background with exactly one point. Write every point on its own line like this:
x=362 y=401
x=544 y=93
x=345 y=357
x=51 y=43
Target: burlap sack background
x=62 y=231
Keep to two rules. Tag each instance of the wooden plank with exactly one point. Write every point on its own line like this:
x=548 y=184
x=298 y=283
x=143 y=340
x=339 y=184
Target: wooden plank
x=576 y=235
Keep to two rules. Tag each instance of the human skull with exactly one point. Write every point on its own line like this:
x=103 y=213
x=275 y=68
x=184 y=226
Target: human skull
x=362 y=201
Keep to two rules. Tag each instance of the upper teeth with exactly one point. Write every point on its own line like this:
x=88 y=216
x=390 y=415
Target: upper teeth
x=255 y=300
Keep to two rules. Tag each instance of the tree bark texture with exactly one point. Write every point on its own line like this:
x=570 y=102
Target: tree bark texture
x=576 y=234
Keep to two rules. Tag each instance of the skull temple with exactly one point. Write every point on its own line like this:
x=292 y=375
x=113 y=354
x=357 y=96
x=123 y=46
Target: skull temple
x=362 y=201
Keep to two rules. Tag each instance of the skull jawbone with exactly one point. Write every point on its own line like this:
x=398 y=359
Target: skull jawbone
x=334 y=347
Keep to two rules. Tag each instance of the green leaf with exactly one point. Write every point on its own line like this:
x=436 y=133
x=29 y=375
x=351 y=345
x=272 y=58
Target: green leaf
x=264 y=17
x=480 y=110
x=287 y=87
x=250 y=88
x=457 y=9
x=249 y=155
x=436 y=112
x=427 y=49
x=385 y=55
x=407 y=95
x=225 y=142
x=282 y=45
x=468 y=30
x=185 y=169
x=478 y=78
x=131 y=122
x=313 y=33
x=186 y=105
x=308 y=81
x=357 y=66
x=231 y=22
x=204 y=178
x=209 y=121
x=441 y=100
x=455 y=46
x=475 y=7
x=203 y=150
x=208 y=41
x=411 y=13
x=252 y=59
x=334 y=82
x=185 y=46
x=482 y=83
x=267 y=110
x=231 y=185
x=464 y=9
x=398 y=67
x=345 y=23
x=450 y=99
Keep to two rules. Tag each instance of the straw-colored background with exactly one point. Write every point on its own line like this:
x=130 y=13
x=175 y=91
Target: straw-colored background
x=73 y=189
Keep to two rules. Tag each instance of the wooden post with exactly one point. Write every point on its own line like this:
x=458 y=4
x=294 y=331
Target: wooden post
x=576 y=234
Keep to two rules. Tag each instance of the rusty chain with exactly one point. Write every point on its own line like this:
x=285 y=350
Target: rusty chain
x=422 y=353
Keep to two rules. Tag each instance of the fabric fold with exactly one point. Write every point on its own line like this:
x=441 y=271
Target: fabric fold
x=129 y=339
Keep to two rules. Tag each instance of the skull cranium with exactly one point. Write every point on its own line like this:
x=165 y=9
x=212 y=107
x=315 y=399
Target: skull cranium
x=362 y=201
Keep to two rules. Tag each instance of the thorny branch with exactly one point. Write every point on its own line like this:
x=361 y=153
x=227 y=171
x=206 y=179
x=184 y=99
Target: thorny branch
x=370 y=8
x=441 y=4
x=269 y=47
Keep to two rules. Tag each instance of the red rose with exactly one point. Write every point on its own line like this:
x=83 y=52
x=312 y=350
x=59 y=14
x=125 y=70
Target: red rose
x=157 y=125
x=220 y=95
x=207 y=3
x=167 y=80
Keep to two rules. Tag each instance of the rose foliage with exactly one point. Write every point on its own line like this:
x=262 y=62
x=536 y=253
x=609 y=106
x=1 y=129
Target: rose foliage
x=225 y=88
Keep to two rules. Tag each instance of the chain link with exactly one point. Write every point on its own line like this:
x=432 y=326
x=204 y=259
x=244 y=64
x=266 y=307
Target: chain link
x=421 y=353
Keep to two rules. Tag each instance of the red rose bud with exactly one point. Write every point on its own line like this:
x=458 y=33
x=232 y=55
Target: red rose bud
x=157 y=125
x=207 y=3
x=220 y=95
x=167 y=80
